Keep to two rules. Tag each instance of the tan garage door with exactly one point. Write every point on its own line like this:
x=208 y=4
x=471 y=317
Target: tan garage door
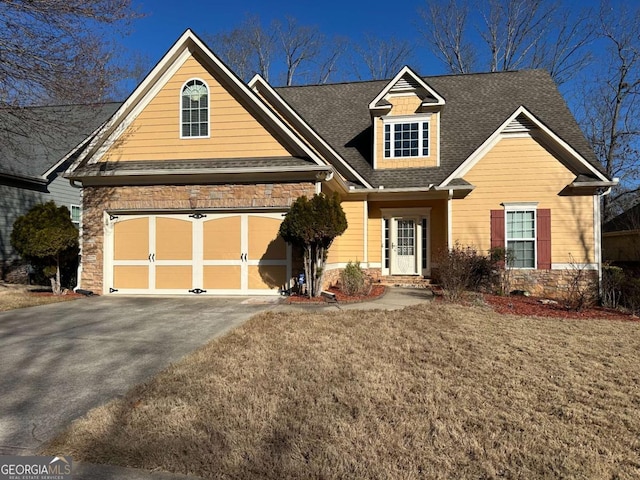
x=237 y=253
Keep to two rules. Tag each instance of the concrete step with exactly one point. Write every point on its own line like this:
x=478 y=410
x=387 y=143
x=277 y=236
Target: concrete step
x=415 y=281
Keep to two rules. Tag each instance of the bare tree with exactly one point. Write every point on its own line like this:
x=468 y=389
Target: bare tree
x=47 y=46
x=382 y=58
x=328 y=64
x=299 y=45
x=445 y=30
x=283 y=49
x=247 y=49
x=610 y=114
x=514 y=34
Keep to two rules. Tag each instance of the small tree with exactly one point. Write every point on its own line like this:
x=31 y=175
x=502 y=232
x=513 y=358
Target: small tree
x=46 y=236
x=312 y=224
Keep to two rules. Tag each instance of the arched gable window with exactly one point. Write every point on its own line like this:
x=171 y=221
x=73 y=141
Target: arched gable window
x=195 y=109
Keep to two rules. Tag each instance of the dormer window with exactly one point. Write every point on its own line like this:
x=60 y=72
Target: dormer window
x=404 y=138
x=195 y=109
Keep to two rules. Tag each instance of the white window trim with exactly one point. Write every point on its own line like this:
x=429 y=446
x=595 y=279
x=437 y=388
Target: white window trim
x=523 y=207
x=402 y=119
x=208 y=135
x=71 y=213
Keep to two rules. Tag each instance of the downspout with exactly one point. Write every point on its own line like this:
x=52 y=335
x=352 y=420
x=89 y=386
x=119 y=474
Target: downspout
x=365 y=226
x=450 y=219
x=325 y=176
x=80 y=228
x=597 y=200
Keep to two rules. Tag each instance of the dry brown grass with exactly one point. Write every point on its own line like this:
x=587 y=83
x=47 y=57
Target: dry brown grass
x=21 y=296
x=436 y=391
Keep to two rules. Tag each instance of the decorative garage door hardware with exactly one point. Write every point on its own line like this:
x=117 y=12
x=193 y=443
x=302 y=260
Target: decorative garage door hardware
x=216 y=253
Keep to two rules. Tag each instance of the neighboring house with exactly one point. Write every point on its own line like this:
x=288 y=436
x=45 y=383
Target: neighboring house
x=38 y=144
x=186 y=186
x=621 y=237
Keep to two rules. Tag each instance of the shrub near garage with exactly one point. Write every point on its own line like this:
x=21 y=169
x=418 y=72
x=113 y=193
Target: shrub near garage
x=45 y=236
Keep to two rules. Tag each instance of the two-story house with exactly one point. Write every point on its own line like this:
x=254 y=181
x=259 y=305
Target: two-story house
x=186 y=186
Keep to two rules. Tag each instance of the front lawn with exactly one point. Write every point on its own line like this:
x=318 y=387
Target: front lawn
x=22 y=296
x=434 y=391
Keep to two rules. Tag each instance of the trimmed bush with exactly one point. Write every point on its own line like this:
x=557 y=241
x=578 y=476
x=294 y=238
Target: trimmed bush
x=354 y=280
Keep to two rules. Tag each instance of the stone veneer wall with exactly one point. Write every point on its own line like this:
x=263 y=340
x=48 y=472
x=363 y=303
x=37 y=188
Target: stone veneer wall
x=553 y=283
x=332 y=277
x=97 y=200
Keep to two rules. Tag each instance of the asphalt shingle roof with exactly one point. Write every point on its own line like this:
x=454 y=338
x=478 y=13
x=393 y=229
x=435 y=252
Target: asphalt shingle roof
x=36 y=138
x=476 y=105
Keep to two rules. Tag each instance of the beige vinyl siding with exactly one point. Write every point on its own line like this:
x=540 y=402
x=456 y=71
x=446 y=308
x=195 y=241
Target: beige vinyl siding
x=155 y=133
x=523 y=170
x=350 y=245
x=406 y=106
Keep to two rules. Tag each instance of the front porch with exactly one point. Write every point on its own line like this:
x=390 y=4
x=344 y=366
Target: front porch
x=396 y=241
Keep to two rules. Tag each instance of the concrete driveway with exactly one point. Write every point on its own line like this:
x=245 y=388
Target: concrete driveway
x=58 y=361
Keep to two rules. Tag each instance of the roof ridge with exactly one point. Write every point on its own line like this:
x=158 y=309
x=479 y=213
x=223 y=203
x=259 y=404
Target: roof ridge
x=443 y=75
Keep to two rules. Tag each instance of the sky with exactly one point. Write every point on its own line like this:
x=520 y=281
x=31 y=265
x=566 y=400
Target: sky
x=166 y=20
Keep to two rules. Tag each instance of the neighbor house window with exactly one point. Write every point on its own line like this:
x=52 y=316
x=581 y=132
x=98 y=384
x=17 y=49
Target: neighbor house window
x=521 y=237
x=406 y=138
x=75 y=215
x=195 y=109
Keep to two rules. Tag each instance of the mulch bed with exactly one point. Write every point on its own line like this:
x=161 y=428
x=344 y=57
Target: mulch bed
x=532 y=306
x=376 y=292
x=70 y=295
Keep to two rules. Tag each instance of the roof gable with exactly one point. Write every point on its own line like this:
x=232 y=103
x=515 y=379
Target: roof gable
x=523 y=121
x=404 y=82
x=190 y=54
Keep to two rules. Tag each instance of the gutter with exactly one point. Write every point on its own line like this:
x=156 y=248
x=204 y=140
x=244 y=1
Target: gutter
x=602 y=184
x=204 y=171
x=24 y=178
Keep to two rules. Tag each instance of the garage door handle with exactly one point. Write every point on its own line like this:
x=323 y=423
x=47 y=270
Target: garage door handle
x=243 y=257
x=152 y=257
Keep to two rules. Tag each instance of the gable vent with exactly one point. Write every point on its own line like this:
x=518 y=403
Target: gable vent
x=520 y=124
x=405 y=83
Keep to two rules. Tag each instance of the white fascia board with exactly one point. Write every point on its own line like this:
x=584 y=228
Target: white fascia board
x=169 y=64
x=258 y=83
x=406 y=70
x=490 y=142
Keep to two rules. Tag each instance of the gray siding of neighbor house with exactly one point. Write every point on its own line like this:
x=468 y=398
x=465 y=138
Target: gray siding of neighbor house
x=16 y=199
x=63 y=193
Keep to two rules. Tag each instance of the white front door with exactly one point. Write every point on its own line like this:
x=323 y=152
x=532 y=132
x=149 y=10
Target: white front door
x=404 y=256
